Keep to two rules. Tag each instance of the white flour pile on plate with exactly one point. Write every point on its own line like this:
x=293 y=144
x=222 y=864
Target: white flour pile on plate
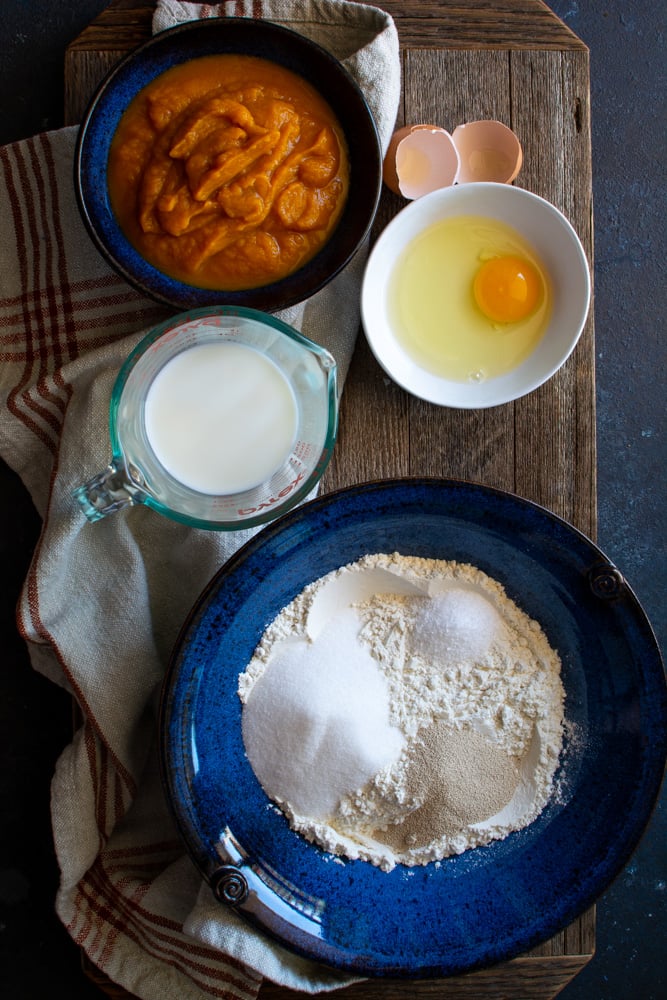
x=400 y=710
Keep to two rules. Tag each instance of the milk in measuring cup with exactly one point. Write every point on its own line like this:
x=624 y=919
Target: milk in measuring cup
x=221 y=417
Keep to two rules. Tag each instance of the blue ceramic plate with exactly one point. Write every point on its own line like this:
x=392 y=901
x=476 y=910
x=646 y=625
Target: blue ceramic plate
x=487 y=904
x=216 y=36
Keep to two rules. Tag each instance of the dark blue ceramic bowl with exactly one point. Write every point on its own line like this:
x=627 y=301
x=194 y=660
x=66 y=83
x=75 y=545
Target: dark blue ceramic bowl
x=487 y=904
x=213 y=37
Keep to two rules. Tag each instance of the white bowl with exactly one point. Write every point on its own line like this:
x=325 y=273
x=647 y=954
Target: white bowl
x=555 y=243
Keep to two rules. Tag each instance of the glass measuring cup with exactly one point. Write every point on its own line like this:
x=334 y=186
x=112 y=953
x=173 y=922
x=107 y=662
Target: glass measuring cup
x=135 y=474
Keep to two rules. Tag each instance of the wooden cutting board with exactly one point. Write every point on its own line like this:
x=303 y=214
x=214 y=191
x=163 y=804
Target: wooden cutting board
x=513 y=60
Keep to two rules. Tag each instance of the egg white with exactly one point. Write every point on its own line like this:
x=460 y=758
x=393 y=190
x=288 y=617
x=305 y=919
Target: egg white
x=433 y=309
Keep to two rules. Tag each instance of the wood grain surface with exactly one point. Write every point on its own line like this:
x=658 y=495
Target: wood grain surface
x=512 y=60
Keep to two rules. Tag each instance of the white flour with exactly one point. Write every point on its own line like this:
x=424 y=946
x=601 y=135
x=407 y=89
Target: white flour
x=423 y=717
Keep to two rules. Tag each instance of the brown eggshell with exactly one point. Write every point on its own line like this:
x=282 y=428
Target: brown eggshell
x=488 y=151
x=433 y=147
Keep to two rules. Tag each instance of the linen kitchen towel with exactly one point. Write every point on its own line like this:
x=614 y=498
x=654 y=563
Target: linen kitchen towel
x=102 y=604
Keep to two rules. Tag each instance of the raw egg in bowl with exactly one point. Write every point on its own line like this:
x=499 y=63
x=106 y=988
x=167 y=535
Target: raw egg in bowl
x=475 y=295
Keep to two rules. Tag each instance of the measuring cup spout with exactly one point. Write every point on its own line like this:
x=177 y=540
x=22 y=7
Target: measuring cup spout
x=107 y=492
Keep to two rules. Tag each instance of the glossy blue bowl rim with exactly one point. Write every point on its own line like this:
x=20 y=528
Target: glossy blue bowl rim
x=209 y=37
x=486 y=905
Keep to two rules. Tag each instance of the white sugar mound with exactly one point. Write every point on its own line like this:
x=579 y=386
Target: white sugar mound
x=316 y=723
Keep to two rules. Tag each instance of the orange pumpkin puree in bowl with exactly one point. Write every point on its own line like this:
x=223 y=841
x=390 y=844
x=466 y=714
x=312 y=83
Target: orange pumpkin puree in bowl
x=228 y=172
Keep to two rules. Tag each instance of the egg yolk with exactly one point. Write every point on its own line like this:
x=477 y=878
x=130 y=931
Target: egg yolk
x=507 y=289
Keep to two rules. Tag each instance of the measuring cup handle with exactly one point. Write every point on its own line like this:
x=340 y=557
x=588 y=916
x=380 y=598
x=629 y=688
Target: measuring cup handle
x=106 y=493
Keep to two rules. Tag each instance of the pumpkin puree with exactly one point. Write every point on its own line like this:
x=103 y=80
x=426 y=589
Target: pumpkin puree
x=228 y=172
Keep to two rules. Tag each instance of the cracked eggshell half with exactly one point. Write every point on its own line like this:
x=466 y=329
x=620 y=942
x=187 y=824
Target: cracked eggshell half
x=420 y=159
x=488 y=151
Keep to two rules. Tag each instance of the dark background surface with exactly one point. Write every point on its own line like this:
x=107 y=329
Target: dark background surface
x=626 y=40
